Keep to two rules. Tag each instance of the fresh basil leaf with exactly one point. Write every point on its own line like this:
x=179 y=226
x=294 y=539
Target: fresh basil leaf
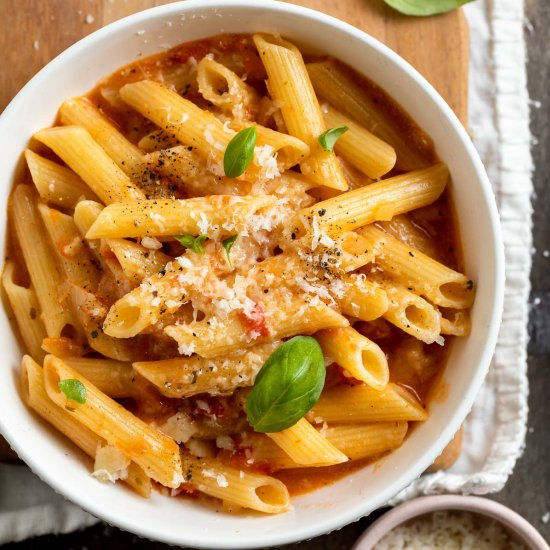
x=191 y=242
x=73 y=390
x=425 y=7
x=240 y=152
x=330 y=137
x=228 y=245
x=287 y=386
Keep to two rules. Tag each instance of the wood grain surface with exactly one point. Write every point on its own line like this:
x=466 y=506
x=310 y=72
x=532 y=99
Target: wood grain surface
x=32 y=32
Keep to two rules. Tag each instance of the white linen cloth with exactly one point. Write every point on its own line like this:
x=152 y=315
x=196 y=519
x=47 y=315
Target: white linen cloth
x=495 y=429
x=494 y=432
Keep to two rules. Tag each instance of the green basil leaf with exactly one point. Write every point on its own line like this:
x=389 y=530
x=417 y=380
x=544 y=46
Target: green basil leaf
x=240 y=152
x=228 y=245
x=330 y=137
x=425 y=7
x=73 y=390
x=191 y=242
x=287 y=386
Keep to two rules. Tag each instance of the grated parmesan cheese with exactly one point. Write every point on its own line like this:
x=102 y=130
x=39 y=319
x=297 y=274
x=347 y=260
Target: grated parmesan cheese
x=320 y=291
x=186 y=349
x=266 y=159
x=110 y=464
x=225 y=442
x=210 y=138
x=448 y=531
x=180 y=427
x=151 y=243
x=203 y=224
x=221 y=480
x=73 y=248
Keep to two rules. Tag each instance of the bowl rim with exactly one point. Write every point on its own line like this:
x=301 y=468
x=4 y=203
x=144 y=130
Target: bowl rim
x=424 y=505
x=351 y=514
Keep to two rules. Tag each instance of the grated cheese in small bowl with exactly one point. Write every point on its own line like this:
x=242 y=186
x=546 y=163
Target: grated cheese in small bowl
x=448 y=531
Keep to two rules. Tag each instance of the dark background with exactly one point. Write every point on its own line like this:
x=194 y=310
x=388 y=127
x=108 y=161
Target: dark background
x=528 y=489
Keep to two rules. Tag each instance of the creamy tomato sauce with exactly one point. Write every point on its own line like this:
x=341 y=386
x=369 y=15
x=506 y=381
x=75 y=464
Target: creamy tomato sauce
x=432 y=229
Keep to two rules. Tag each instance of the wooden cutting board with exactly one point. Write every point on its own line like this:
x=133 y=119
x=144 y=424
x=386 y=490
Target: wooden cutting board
x=34 y=31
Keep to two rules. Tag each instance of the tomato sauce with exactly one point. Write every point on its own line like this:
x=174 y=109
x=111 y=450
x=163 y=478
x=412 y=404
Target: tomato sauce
x=412 y=364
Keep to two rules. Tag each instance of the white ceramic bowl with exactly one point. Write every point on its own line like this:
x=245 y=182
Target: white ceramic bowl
x=184 y=522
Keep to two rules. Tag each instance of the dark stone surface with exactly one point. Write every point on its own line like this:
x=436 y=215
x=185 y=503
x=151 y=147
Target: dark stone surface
x=528 y=489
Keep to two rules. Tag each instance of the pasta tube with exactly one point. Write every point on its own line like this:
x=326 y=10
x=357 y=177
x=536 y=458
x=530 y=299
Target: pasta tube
x=34 y=394
x=157 y=454
x=412 y=314
x=356 y=354
x=356 y=441
x=365 y=404
x=56 y=184
x=285 y=315
x=255 y=491
x=357 y=145
x=380 y=201
x=80 y=111
x=39 y=260
x=24 y=303
x=306 y=446
x=215 y=216
x=347 y=95
x=76 y=147
x=186 y=376
x=423 y=275
x=289 y=84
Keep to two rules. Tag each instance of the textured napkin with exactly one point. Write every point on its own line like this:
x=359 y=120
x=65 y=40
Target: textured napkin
x=495 y=429
x=494 y=432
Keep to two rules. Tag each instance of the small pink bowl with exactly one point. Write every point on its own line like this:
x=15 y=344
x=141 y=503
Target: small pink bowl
x=515 y=526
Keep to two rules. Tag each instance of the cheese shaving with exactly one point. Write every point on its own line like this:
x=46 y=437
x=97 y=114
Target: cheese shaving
x=110 y=464
x=151 y=243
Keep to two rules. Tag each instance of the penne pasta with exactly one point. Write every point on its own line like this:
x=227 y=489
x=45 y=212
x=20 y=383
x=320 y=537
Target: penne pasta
x=56 y=184
x=114 y=378
x=157 y=454
x=359 y=441
x=76 y=147
x=36 y=397
x=199 y=216
x=456 y=322
x=24 y=304
x=186 y=376
x=178 y=116
x=380 y=201
x=357 y=145
x=347 y=95
x=160 y=294
x=223 y=88
x=39 y=260
x=363 y=299
x=360 y=357
x=364 y=404
x=423 y=275
x=72 y=253
x=285 y=315
x=356 y=441
x=306 y=446
x=243 y=488
x=289 y=84
x=412 y=314
x=79 y=111
x=136 y=261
